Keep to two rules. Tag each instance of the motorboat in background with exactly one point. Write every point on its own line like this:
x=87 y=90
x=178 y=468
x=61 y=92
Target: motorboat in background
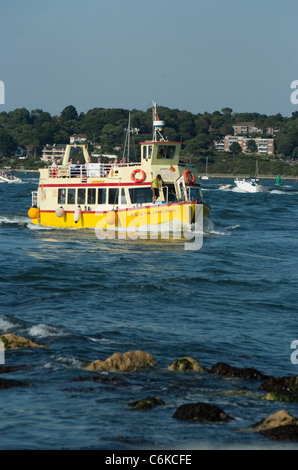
x=5 y=178
x=250 y=185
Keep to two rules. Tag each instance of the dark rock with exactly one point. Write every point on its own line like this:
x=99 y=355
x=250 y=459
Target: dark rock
x=282 y=433
x=221 y=368
x=281 y=385
x=201 y=412
x=8 y=369
x=147 y=403
x=9 y=383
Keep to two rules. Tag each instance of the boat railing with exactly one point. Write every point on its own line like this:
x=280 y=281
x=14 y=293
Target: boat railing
x=34 y=198
x=89 y=170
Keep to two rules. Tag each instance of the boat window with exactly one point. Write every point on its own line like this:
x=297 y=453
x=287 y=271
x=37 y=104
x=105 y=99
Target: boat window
x=195 y=194
x=101 y=197
x=140 y=195
x=81 y=196
x=71 y=196
x=91 y=196
x=61 y=195
x=113 y=195
x=166 y=151
x=122 y=197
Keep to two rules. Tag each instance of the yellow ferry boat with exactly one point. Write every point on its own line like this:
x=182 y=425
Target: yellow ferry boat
x=120 y=195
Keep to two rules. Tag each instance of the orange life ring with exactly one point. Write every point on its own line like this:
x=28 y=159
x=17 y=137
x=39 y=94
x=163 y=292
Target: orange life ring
x=187 y=175
x=54 y=172
x=139 y=180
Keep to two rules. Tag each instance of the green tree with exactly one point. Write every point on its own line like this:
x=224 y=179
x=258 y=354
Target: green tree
x=251 y=146
x=69 y=113
x=235 y=148
x=7 y=144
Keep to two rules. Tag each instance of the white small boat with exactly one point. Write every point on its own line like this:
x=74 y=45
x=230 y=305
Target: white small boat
x=250 y=185
x=4 y=178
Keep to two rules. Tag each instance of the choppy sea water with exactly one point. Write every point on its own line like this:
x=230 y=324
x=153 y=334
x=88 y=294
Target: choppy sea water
x=84 y=298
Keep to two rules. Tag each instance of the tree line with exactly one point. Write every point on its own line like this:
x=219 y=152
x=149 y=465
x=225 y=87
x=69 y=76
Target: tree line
x=107 y=128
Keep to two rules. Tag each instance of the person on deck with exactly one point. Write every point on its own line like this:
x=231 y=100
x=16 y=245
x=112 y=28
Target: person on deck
x=156 y=185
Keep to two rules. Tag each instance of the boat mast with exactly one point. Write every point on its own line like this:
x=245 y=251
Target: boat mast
x=127 y=141
x=158 y=125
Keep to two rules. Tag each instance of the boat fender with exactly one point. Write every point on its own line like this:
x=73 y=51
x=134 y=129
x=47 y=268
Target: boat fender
x=77 y=214
x=60 y=212
x=33 y=212
x=189 y=176
x=138 y=180
x=112 y=218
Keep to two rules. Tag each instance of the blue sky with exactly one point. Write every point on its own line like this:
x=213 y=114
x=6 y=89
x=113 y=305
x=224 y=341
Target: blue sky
x=195 y=55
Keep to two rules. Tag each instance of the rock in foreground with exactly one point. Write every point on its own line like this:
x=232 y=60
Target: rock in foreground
x=280 y=426
x=221 y=368
x=147 y=403
x=280 y=418
x=11 y=341
x=186 y=364
x=203 y=412
x=125 y=362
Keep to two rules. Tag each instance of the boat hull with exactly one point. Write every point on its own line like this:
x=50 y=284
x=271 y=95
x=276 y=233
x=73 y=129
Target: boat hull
x=142 y=218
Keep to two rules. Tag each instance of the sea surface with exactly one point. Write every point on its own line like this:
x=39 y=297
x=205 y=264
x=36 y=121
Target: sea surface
x=234 y=300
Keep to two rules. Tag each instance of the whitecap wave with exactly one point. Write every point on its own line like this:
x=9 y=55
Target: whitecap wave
x=45 y=331
x=13 y=220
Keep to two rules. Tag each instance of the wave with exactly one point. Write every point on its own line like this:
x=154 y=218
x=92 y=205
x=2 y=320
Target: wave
x=45 y=331
x=15 y=220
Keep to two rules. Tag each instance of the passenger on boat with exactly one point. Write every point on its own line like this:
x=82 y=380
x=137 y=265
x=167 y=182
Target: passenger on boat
x=72 y=167
x=156 y=185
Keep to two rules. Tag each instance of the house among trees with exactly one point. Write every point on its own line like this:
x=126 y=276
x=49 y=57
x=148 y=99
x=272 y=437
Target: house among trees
x=77 y=138
x=247 y=144
x=49 y=152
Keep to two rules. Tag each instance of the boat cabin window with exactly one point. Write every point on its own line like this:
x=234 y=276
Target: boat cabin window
x=71 y=196
x=91 y=196
x=147 y=151
x=113 y=195
x=166 y=151
x=140 y=195
x=81 y=196
x=195 y=194
x=101 y=196
x=61 y=195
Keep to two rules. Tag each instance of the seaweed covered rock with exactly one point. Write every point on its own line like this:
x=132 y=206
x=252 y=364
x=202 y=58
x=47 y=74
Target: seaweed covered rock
x=221 y=368
x=12 y=341
x=203 y=412
x=147 y=403
x=279 y=426
x=125 y=362
x=186 y=364
x=280 y=418
x=281 y=386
